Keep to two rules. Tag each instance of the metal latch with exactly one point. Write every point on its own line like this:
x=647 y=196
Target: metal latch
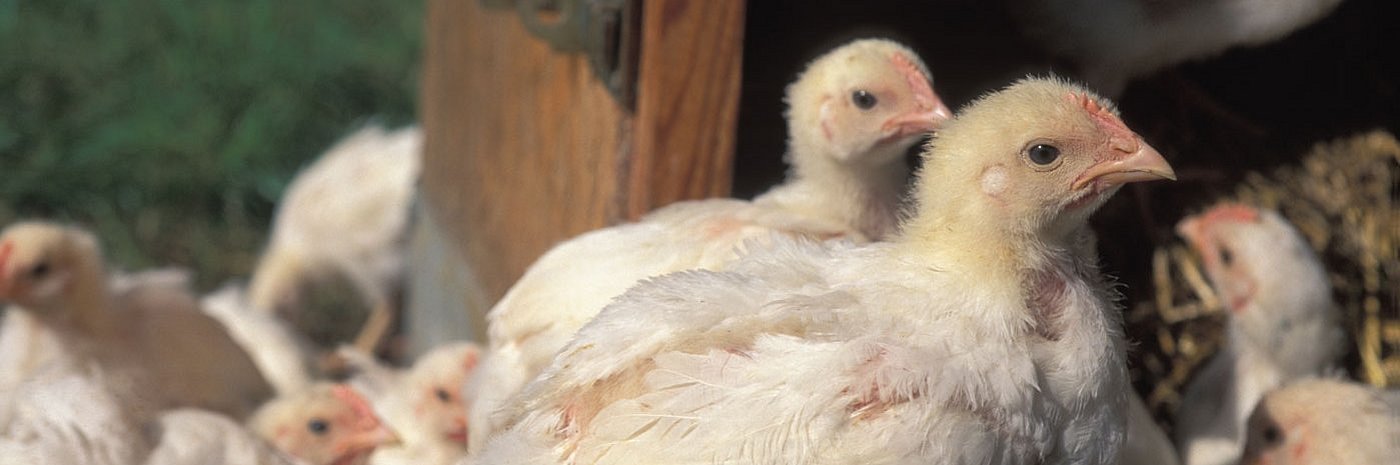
x=605 y=30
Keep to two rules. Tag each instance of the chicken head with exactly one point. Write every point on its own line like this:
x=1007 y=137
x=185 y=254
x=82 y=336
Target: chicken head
x=437 y=380
x=325 y=425
x=865 y=102
x=1321 y=421
x=42 y=263
x=1054 y=153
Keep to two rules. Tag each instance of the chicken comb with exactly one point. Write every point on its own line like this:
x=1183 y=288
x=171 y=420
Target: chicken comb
x=917 y=80
x=1230 y=212
x=5 y=250
x=366 y=417
x=1119 y=136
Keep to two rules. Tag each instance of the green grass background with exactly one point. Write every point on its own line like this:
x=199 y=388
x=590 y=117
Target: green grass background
x=171 y=127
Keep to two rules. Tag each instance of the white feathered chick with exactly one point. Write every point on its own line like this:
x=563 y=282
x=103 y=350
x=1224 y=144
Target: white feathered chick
x=327 y=424
x=853 y=113
x=978 y=335
x=1322 y=421
x=1282 y=325
x=424 y=404
x=73 y=412
x=1115 y=41
x=346 y=214
x=155 y=336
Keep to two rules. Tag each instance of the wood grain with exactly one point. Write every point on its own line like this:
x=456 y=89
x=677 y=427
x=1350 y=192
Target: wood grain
x=687 y=102
x=520 y=141
x=524 y=147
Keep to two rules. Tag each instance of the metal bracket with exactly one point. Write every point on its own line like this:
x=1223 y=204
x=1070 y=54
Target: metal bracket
x=604 y=30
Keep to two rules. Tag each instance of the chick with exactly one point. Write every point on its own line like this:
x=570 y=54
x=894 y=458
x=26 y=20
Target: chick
x=153 y=335
x=193 y=436
x=73 y=412
x=346 y=214
x=1321 y=421
x=327 y=424
x=853 y=113
x=1116 y=41
x=25 y=347
x=1282 y=325
x=978 y=335
x=424 y=404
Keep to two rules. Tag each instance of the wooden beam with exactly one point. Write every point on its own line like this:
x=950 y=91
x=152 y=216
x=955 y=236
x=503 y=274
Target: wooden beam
x=521 y=142
x=525 y=147
x=687 y=102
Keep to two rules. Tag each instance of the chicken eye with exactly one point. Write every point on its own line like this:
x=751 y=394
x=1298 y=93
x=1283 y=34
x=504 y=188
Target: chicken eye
x=864 y=100
x=39 y=271
x=1272 y=435
x=1226 y=257
x=442 y=395
x=318 y=426
x=1043 y=154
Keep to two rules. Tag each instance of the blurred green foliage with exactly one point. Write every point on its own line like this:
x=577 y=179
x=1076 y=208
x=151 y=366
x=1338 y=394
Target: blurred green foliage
x=171 y=127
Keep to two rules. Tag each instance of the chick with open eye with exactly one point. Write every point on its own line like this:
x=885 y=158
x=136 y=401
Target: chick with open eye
x=327 y=424
x=1324 y=421
x=1282 y=325
x=152 y=334
x=852 y=115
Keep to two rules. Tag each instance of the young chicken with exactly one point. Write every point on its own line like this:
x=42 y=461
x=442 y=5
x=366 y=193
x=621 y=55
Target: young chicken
x=424 y=404
x=155 y=336
x=348 y=214
x=72 y=412
x=193 y=436
x=279 y=352
x=1321 y=421
x=1282 y=324
x=25 y=347
x=978 y=335
x=853 y=113
x=327 y=424
x=1115 y=41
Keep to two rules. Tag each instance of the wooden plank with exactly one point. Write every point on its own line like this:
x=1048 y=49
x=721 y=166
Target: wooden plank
x=688 y=83
x=525 y=147
x=522 y=143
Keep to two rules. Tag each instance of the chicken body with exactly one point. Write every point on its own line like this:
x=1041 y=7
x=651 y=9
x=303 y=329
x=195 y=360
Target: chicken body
x=423 y=404
x=1282 y=324
x=193 y=437
x=1115 y=41
x=978 y=335
x=853 y=113
x=71 y=413
x=27 y=347
x=326 y=424
x=1320 y=421
x=154 y=336
x=346 y=214
x=279 y=352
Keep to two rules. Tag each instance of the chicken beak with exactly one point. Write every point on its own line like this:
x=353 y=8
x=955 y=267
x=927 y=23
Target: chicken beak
x=922 y=120
x=1144 y=164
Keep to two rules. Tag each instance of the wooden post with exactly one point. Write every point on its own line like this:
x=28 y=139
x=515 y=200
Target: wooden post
x=524 y=147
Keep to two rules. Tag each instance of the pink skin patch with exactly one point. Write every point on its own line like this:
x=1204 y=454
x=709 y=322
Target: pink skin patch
x=1120 y=138
x=1229 y=213
x=924 y=97
x=5 y=250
